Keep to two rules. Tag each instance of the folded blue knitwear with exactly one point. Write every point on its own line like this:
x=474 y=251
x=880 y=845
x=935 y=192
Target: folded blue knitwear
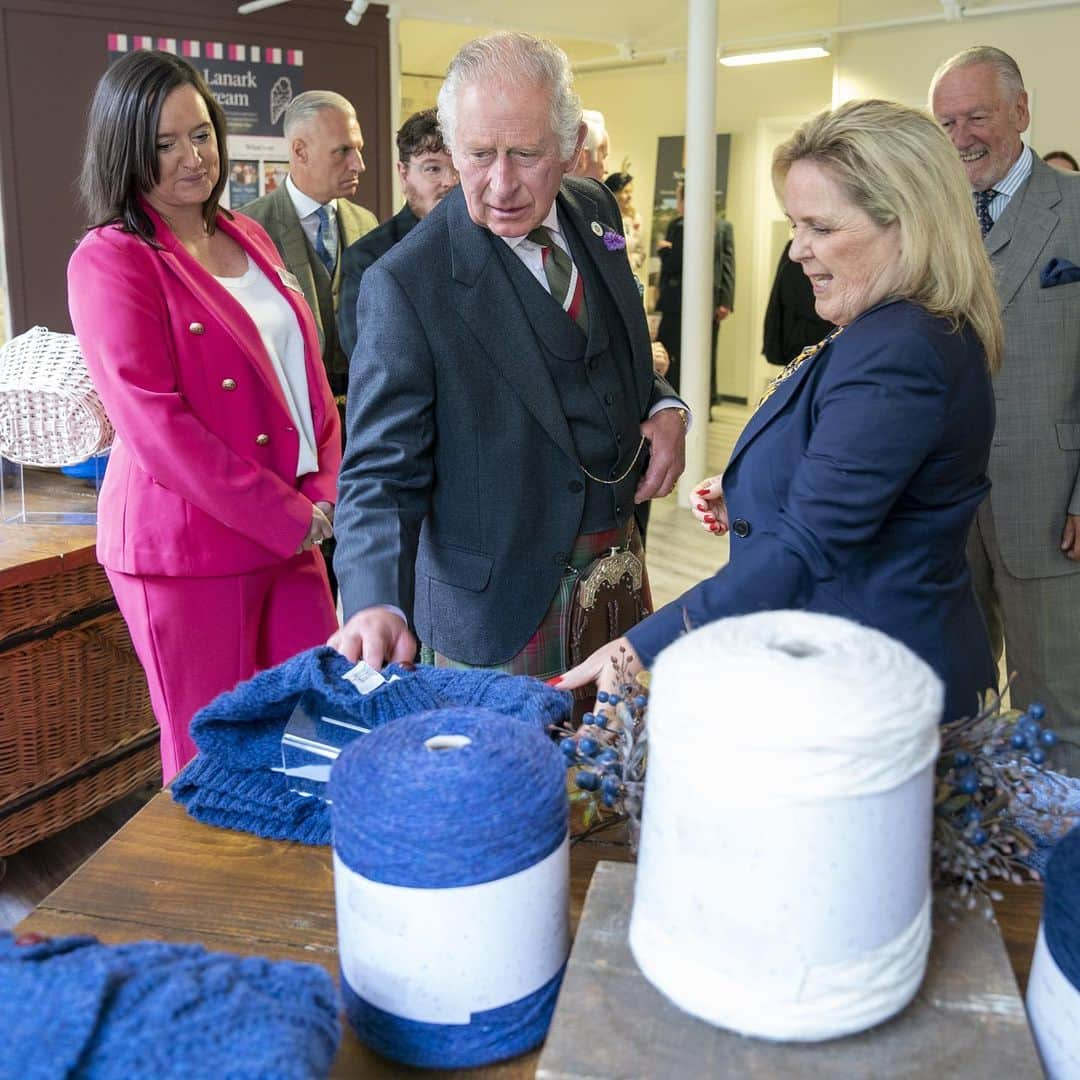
x=72 y=1007
x=232 y=783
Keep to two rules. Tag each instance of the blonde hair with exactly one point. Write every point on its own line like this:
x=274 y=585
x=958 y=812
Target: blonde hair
x=898 y=166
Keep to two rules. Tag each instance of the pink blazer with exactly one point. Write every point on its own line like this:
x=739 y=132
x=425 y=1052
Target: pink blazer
x=202 y=477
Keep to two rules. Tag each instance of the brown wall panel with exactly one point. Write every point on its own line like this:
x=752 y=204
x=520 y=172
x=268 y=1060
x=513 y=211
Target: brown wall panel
x=51 y=56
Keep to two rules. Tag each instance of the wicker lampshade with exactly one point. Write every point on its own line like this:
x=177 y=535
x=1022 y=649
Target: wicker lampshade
x=50 y=413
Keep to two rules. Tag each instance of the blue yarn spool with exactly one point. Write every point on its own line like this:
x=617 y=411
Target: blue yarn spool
x=410 y=815
x=1061 y=907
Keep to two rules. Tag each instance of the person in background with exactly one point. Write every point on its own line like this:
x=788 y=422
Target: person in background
x=852 y=489
x=426 y=175
x=220 y=486
x=791 y=319
x=311 y=220
x=621 y=185
x=1025 y=544
x=592 y=160
x=1061 y=159
x=502 y=391
x=669 y=297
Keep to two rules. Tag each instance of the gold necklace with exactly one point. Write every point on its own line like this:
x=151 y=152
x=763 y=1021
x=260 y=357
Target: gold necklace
x=807 y=354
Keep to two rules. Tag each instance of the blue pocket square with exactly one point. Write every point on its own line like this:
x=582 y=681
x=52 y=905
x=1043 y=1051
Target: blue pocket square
x=1058 y=272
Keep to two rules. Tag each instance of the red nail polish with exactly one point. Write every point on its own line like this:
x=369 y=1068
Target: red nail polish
x=30 y=938
x=702 y=491
x=710 y=519
x=555 y=681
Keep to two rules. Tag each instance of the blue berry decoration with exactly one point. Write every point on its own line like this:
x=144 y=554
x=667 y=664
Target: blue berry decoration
x=587 y=781
x=969 y=783
x=979 y=836
x=602 y=696
x=610 y=785
x=1047 y=737
x=1038 y=756
x=588 y=746
x=972 y=815
x=1036 y=711
x=1020 y=741
x=568 y=746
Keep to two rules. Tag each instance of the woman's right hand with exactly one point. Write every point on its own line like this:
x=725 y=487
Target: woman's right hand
x=707 y=503
x=319 y=530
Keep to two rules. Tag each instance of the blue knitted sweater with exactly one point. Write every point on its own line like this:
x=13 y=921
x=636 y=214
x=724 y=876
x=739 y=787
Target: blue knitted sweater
x=232 y=782
x=72 y=1007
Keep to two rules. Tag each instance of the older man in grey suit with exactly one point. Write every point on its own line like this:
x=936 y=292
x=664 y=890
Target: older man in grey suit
x=1025 y=545
x=502 y=403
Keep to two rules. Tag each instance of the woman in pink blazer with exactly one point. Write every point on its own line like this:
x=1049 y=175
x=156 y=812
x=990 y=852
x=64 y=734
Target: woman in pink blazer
x=221 y=481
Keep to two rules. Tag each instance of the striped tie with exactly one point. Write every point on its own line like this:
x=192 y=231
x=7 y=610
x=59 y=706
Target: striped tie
x=559 y=271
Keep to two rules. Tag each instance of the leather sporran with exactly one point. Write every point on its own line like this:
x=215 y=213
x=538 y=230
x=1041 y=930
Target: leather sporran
x=610 y=596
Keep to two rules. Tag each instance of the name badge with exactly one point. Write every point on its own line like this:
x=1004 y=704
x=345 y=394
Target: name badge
x=288 y=279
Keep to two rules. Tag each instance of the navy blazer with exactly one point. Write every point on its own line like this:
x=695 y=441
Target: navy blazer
x=851 y=492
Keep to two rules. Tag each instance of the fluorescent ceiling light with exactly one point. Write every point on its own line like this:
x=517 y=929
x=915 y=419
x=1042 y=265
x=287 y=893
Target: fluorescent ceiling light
x=774 y=56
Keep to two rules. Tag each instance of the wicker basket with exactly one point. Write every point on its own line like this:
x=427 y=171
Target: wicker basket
x=50 y=413
x=76 y=727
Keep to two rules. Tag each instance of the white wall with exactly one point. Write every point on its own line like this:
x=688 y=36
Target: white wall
x=642 y=104
x=898 y=64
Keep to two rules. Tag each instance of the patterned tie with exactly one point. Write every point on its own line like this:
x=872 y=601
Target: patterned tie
x=983 y=199
x=559 y=270
x=321 y=248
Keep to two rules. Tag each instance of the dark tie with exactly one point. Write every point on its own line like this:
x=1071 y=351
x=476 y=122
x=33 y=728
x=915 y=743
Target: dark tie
x=559 y=270
x=321 y=248
x=983 y=199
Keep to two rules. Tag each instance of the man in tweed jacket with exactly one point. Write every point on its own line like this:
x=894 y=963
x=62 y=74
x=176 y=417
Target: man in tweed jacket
x=1025 y=544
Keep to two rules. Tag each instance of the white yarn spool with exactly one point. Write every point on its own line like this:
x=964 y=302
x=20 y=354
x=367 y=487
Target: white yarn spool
x=783 y=882
x=1053 y=1006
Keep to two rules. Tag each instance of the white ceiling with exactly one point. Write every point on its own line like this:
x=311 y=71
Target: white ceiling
x=432 y=30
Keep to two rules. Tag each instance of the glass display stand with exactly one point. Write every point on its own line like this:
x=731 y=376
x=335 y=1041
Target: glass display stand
x=33 y=496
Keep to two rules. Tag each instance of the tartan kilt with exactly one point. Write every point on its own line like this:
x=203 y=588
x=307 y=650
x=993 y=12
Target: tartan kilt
x=546 y=653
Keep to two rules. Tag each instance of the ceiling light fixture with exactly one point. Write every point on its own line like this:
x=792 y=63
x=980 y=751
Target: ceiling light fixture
x=774 y=56
x=356 y=12
x=258 y=5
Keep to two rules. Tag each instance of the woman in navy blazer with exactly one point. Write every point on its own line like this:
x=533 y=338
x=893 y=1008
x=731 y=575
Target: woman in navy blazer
x=853 y=486
x=222 y=478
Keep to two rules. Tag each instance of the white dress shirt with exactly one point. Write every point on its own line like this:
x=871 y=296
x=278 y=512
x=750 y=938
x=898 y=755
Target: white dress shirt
x=307 y=210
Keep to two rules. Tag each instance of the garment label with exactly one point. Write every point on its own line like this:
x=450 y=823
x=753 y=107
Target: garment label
x=364 y=677
x=439 y=956
x=289 y=279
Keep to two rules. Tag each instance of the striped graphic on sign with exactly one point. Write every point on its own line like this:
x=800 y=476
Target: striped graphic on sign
x=215 y=50
x=295 y=57
x=191 y=49
x=167 y=44
x=118 y=43
x=237 y=52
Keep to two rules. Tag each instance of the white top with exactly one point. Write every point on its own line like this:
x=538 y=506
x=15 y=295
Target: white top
x=307 y=210
x=280 y=332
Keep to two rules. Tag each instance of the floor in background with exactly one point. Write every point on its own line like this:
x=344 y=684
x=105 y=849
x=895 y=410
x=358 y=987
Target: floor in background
x=680 y=554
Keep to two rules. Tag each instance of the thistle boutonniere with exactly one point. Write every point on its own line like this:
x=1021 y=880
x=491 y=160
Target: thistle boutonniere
x=614 y=241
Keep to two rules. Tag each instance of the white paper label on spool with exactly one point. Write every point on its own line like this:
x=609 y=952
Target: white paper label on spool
x=1053 y=1005
x=438 y=956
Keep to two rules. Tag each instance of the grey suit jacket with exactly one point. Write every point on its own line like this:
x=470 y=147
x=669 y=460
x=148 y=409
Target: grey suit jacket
x=1035 y=457
x=277 y=215
x=461 y=493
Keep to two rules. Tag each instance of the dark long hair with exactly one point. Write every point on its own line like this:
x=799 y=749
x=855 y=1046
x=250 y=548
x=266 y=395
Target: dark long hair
x=120 y=162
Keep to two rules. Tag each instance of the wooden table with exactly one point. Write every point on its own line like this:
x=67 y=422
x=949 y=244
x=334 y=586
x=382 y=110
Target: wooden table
x=166 y=877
